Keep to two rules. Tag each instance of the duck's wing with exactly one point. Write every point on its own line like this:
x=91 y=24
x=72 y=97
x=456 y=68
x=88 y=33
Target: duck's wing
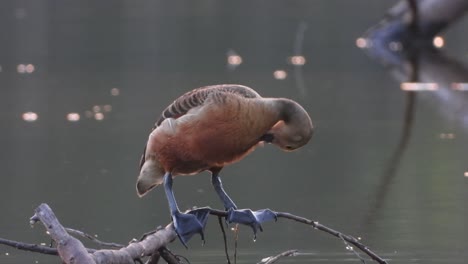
x=196 y=98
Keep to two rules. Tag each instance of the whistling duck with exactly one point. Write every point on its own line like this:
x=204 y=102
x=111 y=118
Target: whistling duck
x=209 y=128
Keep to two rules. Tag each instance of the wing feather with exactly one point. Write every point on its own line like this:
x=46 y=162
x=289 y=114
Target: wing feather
x=196 y=98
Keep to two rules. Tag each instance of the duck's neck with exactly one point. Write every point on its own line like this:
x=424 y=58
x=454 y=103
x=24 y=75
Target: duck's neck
x=288 y=111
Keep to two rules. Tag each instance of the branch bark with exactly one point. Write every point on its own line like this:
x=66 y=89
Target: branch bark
x=70 y=249
x=29 y=247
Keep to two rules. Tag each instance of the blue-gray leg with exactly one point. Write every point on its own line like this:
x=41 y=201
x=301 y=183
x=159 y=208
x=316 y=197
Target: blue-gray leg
x=218 y=186
x=185 y=225
x=243 y=216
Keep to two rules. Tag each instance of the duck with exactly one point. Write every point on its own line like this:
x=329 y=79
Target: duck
x=209 y=128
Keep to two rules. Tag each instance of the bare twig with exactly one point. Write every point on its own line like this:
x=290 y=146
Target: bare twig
x=29 y=247
x=350 y=248
x=154 y=258
x=168 y=256
x=273 y=259
x=221 y=225
x=94 y=239
x=350 y=239
x=236 y=238
x=179 y=257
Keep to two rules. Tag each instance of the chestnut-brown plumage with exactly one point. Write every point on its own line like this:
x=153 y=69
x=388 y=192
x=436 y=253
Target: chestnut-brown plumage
x=214 y=126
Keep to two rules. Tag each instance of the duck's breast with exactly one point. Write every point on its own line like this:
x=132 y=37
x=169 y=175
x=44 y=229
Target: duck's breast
x=214 y=135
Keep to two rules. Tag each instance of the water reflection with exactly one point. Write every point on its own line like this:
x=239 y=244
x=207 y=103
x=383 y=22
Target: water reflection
x=438 y=42
x=73 y=117
x=30 y=116
x=115 y=92
x=412 y=55
x=297 y=60
x=99 y=116
x=460 y=86
x=416 y=86
x=280 y=74
x=233 y=60
x=25 y=68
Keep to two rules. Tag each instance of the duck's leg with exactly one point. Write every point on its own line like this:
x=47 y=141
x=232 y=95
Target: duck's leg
x=185 y=225
x=243 y=216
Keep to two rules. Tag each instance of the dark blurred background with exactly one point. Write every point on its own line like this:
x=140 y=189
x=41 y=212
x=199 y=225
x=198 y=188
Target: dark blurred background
x=82 y=83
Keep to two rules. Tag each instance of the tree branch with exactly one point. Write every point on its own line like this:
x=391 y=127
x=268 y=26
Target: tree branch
x=71 y=250
x=29 y=247
x=350 y=239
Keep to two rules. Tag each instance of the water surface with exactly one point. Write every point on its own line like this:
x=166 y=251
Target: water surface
x=151 y=52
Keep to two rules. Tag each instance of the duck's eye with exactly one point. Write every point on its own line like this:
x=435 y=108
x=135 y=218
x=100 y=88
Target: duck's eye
x=288 y=147
x=267 y=138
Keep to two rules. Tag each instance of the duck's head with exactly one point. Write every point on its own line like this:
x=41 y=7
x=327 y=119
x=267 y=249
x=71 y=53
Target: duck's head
x=294 y=129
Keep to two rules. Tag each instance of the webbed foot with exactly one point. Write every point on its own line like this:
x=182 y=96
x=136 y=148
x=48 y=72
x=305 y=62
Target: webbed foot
x=189 y=224
x=254 y=219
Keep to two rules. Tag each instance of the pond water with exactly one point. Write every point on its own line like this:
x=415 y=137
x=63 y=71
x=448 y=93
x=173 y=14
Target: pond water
x=116 y=65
